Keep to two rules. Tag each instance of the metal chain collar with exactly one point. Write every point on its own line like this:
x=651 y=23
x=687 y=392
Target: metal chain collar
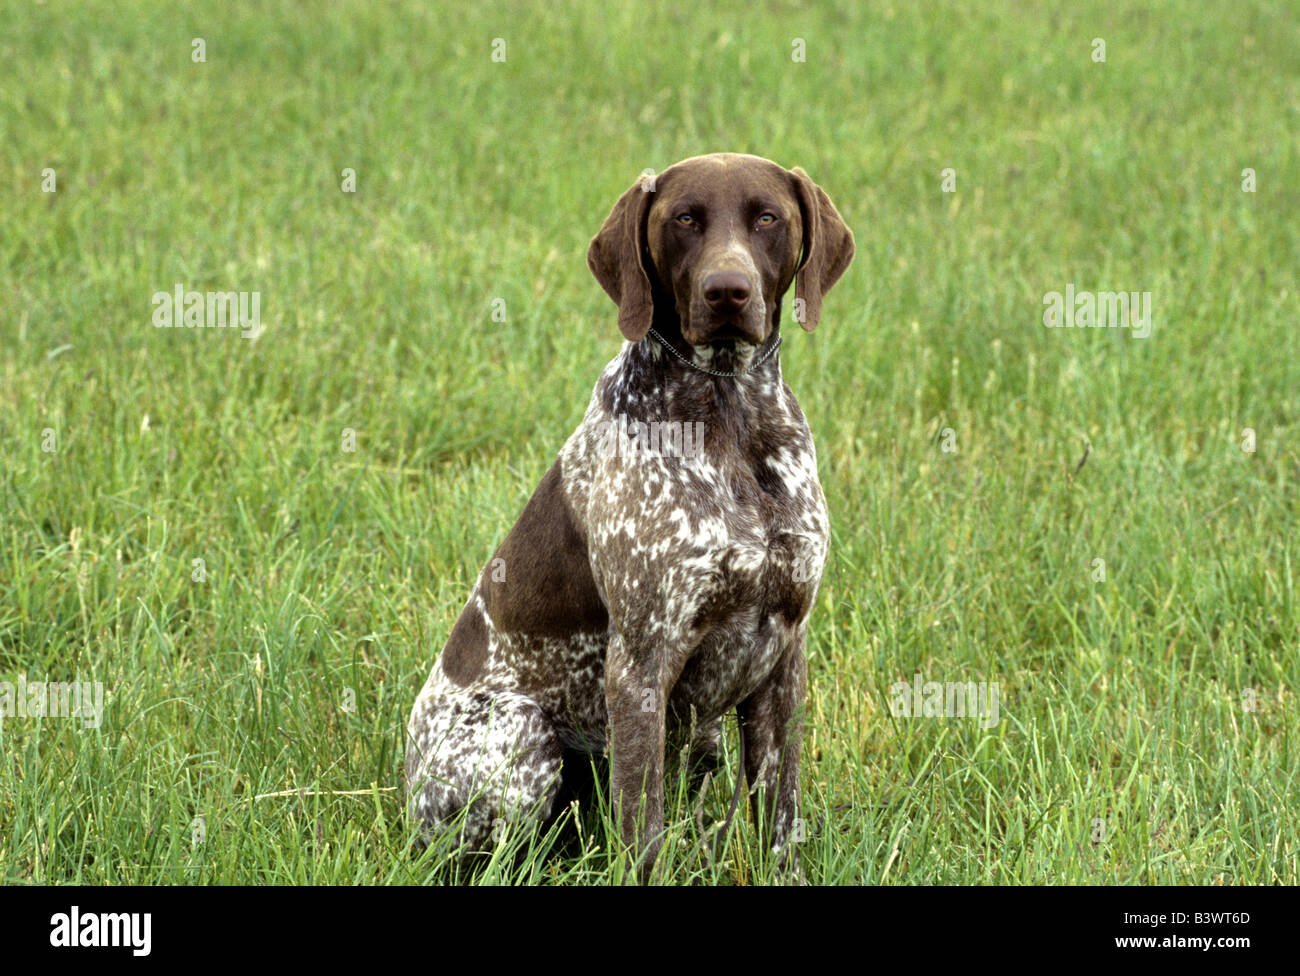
x=713 y=372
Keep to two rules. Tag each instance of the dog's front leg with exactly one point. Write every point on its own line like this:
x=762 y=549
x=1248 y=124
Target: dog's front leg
x=773 y=736
x=636 y=694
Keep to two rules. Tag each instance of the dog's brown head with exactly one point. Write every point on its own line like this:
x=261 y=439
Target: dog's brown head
x=720 y=238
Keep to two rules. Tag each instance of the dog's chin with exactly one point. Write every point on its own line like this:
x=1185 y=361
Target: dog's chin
x=726 y=336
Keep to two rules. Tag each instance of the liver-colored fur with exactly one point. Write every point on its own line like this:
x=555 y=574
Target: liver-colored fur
x=640 y=590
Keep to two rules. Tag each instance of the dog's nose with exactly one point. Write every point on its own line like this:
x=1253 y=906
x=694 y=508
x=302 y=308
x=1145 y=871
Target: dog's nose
x=726 y=291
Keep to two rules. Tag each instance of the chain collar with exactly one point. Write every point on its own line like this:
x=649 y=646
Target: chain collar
x=713 y=372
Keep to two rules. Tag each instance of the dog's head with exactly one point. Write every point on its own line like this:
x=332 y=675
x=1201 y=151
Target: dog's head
x=719 y=239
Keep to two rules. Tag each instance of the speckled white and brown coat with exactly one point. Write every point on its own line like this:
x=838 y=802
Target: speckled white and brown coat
x=638 y=586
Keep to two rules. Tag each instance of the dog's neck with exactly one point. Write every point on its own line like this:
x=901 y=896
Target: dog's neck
x=744 y=356
x=651 y=383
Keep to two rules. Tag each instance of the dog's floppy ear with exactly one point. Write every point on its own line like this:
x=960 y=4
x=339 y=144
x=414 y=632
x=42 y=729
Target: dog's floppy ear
x=615 y=259
x=827 y=248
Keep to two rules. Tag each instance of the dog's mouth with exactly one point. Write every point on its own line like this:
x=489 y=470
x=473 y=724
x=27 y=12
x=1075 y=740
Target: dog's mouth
x=730 y=334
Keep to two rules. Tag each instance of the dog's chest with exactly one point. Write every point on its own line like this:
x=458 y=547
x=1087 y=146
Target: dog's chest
x=747 y=598
x=714 y=554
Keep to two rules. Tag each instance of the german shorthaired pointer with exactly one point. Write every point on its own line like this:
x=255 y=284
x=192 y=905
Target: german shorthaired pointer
x=663 y=572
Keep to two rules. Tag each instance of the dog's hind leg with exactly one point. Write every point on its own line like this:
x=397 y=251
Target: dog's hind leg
x=492 y=759
x=705 y=755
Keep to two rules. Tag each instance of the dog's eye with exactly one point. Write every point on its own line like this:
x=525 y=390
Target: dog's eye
x=766 y=220
x=685 y=219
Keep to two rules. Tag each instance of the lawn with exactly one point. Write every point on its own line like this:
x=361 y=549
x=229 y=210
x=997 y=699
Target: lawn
x=256 y=544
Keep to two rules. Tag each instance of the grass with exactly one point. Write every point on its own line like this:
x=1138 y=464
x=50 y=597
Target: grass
x=287 y=660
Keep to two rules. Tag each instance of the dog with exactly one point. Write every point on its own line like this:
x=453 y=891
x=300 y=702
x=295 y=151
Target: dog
x=664 y=570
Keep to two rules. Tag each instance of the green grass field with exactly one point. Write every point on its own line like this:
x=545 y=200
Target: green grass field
x=255 y=701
